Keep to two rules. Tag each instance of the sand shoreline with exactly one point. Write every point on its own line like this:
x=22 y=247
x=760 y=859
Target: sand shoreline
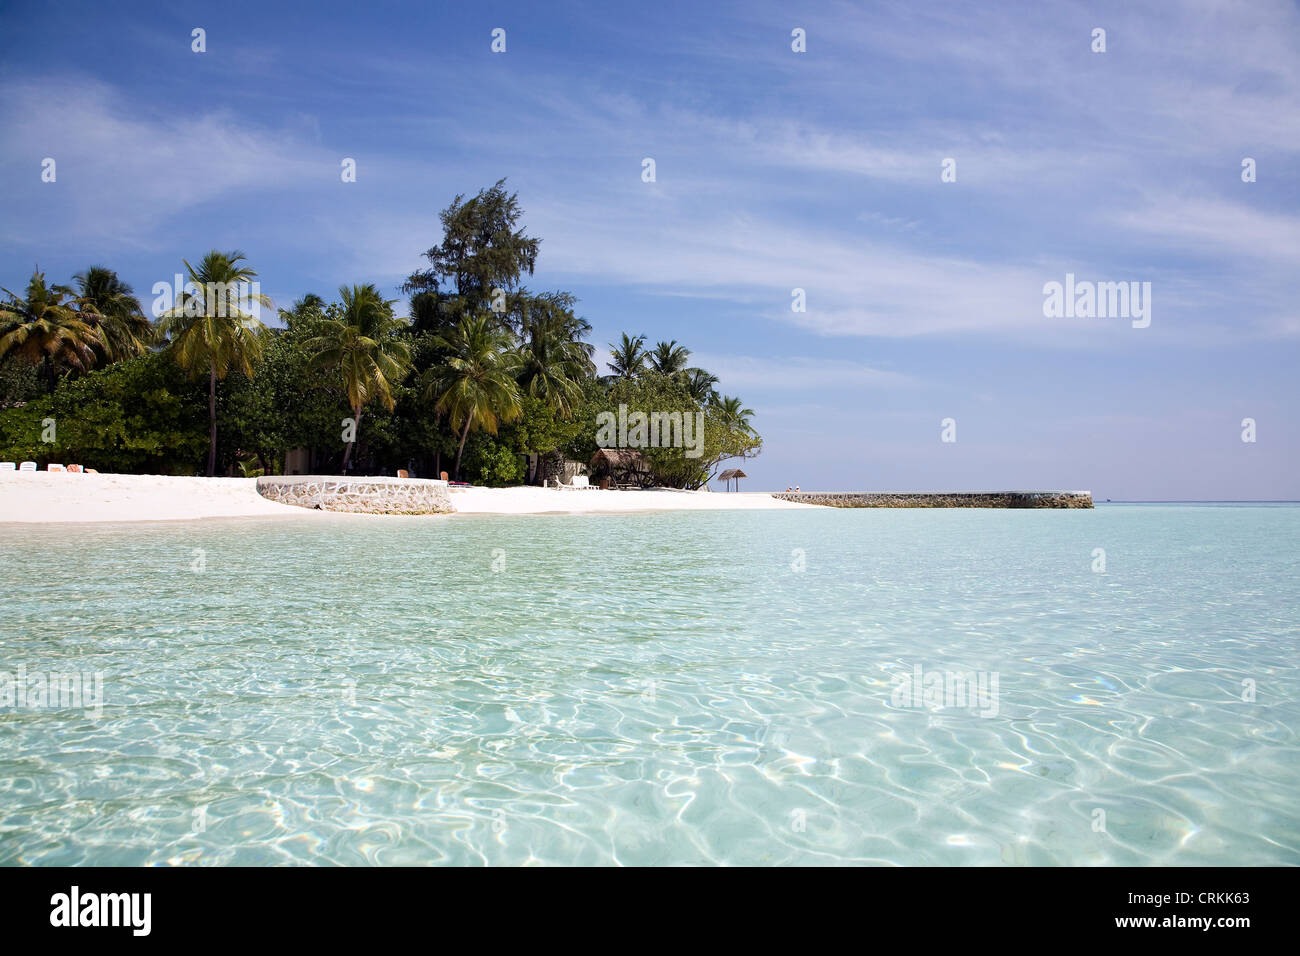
x=45 y=498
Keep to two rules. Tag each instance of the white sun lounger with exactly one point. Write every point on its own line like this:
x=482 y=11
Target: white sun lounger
x=53 y=467
x=8 y=466
x=27 y=466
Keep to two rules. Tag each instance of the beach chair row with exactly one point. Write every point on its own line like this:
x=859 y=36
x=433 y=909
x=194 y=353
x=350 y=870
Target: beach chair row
x=31 y=466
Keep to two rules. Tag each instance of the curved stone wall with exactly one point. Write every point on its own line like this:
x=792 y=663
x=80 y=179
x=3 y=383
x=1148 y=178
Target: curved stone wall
x=378 y=495
x=942 y=499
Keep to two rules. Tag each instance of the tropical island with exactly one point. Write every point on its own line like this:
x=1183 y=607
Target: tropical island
x=483 y=380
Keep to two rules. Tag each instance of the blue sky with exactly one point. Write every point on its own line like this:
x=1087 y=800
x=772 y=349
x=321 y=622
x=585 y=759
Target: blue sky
x=775 y=170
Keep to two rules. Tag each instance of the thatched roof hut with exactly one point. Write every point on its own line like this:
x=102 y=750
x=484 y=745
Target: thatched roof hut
x=732 y=474
x=621 y=466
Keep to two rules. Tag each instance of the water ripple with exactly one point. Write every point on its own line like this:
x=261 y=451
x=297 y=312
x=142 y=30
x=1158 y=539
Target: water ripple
x=659 y=689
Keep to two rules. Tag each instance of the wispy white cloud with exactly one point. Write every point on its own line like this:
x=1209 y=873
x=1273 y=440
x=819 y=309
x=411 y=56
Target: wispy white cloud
x=1217 y=226
x=797 y=373
x=123 y=172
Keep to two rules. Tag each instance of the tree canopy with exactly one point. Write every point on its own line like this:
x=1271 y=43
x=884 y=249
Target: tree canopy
x=481 y=372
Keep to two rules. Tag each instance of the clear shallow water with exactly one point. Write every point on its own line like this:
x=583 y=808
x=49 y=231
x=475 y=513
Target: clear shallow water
x=659 y=689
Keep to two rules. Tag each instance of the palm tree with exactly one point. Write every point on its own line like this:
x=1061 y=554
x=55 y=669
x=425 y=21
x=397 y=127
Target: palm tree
x=47 y=329
x=627 y=359
x=110 y=305
x=668 y=358
x=476 y=387
x=310 y=302
x=364 y=345
x=309 y=305
x=207 y=332
x=301 y=316
x=554 y=359
x=701 y=385
x=733 y=414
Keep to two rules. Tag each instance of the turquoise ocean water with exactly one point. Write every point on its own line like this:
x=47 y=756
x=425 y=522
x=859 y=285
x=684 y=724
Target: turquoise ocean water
x=650 y=689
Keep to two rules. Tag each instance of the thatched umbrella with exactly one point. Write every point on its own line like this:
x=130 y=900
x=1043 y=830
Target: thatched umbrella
x=733 y=474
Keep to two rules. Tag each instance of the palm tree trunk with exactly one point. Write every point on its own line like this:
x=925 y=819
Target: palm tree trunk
x=356 y=423
x=459 y=451
x=52 y=379
x=212 y=418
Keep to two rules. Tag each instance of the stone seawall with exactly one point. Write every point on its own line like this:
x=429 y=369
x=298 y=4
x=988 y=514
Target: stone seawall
x=378 y=495
x=942 y=499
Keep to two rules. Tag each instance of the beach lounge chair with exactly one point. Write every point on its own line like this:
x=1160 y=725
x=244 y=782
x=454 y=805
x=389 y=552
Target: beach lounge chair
x=579 y=481
x=53 y=467
x=403 y=473
x=27 y=466
x=76 y=469
x=8 y=466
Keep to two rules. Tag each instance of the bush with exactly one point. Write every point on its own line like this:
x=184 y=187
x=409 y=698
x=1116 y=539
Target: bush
x=492 y=461
x=140 y=415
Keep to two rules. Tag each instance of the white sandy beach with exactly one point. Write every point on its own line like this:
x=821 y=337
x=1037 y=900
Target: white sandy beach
x=41 y=497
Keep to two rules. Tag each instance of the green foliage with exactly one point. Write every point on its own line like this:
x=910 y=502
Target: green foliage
x=285 y=403
x=138 y=415
x=209 y=334
x=477 y=388
x=45 y=327
x=493 y=461
x=111 y=307
x=482 y=249
x=648 y=392
x=627 y=357
x=363 y=350
x=541 y=428
x=19 y=382
x=457 y=381
x=668 y=358
x=554 y=359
